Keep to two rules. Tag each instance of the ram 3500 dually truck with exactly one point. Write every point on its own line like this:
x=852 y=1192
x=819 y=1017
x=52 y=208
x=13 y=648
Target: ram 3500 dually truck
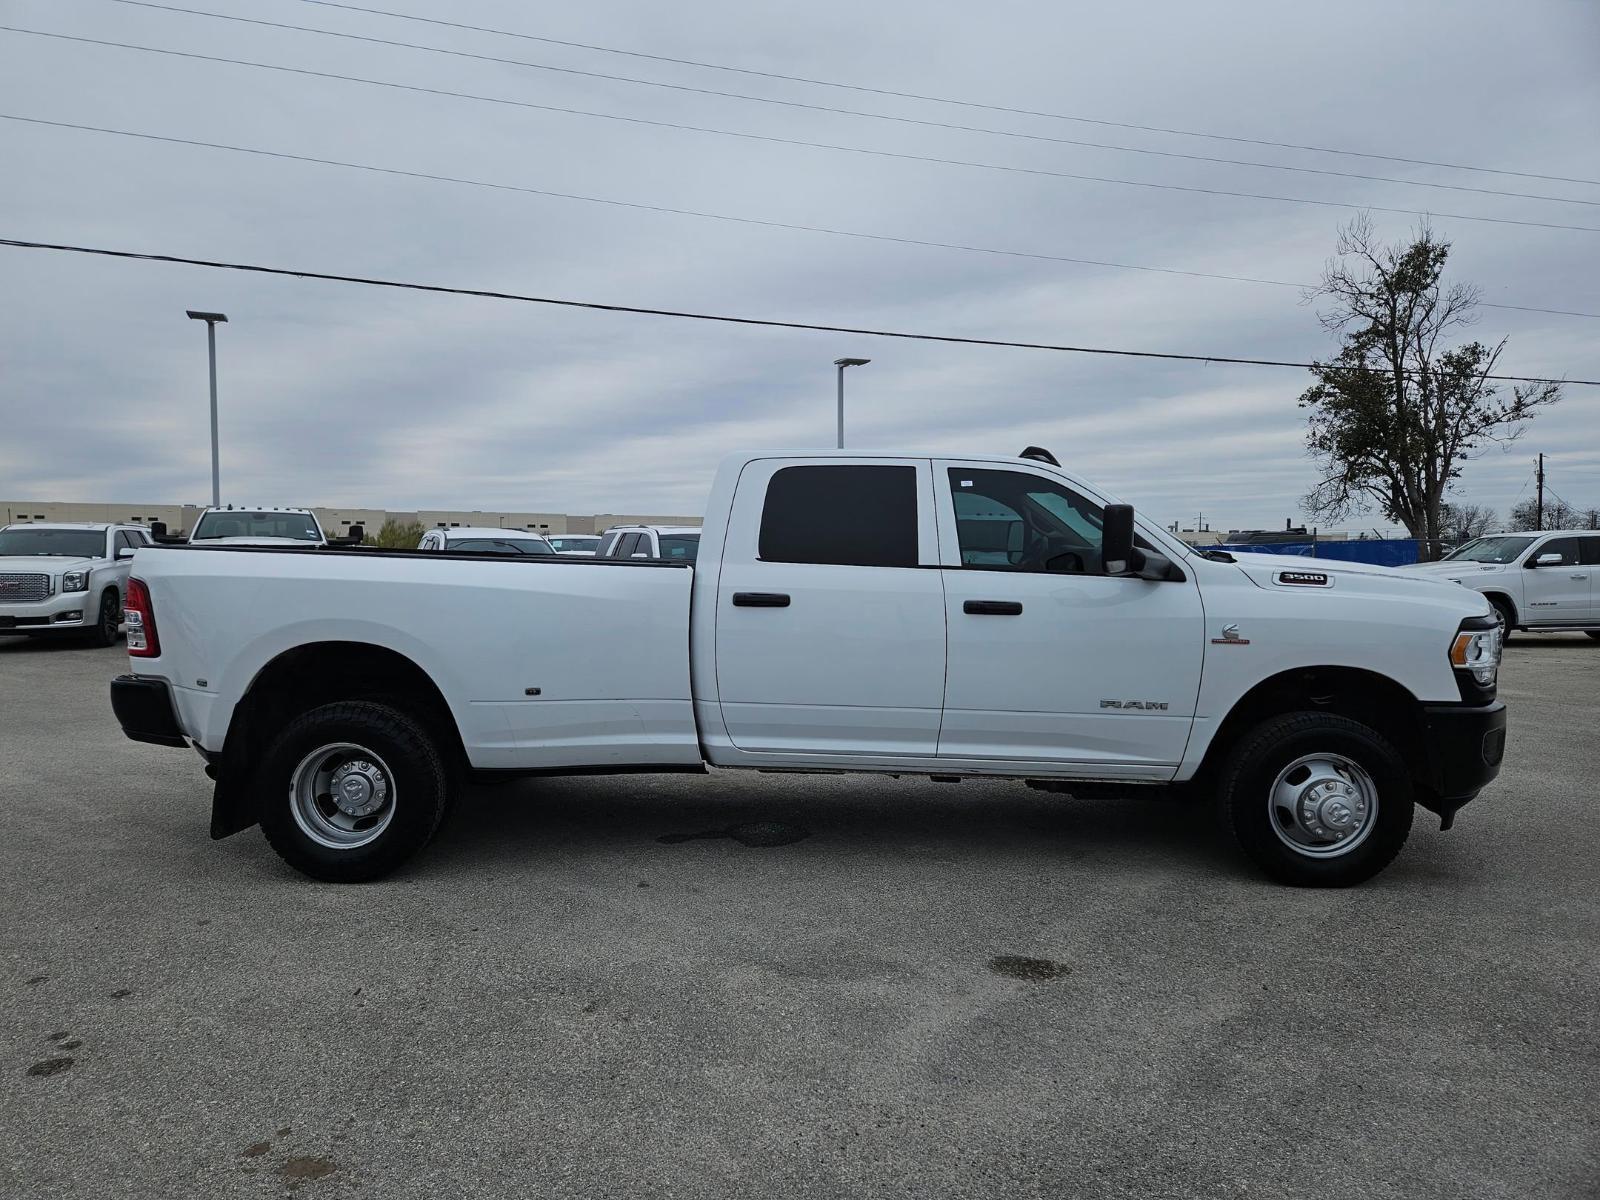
x=848 y=611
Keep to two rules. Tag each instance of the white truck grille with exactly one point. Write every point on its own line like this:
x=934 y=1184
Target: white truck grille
x=19 y=588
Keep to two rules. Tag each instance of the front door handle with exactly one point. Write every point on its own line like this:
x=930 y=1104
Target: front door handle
x=761 y=600
x=1580 y=577
x=992 y=608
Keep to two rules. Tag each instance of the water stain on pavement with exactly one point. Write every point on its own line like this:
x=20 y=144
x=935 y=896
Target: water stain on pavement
x=1032 y=970
x=37 y=979
x=121 y=993
x=751 y=833
x=50 y=1066
x=305 y=1168
x=255 y=1149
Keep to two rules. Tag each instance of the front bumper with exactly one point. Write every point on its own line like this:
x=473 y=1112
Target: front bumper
x=1465 y=747
x=144 y=710
x=63 y=610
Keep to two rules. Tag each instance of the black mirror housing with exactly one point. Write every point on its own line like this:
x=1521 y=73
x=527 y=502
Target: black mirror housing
x=1116 y=546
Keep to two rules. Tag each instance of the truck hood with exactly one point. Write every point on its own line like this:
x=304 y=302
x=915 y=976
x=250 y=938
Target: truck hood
x=41 y=564
x=1269 y=571
x=1453 y=571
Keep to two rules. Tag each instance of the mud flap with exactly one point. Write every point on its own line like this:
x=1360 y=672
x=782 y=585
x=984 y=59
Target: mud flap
x=233 y=805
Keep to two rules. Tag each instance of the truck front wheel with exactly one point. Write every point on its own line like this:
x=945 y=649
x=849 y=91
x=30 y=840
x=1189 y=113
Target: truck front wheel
x=1318 y=800
x=349 y=791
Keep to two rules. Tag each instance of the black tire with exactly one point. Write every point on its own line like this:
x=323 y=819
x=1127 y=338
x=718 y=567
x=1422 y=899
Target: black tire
x=108 y=623
x=1502 y=608
x=415 y=770
x=1594 y=633
x=1254 y=766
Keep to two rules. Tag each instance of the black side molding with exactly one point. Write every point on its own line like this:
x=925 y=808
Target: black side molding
x=761 y=599
x=144 y=710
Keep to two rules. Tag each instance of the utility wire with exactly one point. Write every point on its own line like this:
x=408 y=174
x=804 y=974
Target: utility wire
x=876 y=91
x=709 y=216
x=849 y=112
x=771 y=139
x=487 y=294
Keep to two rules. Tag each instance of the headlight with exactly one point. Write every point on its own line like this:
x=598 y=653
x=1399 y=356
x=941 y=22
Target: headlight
x=75 y=581
x=1478 y=652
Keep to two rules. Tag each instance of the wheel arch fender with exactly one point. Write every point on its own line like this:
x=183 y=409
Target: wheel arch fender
x=308 y=676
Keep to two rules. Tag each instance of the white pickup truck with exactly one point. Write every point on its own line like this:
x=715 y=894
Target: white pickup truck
x=849 y=611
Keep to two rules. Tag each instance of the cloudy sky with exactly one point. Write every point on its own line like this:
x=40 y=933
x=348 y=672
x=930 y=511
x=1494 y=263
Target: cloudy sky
x=337 y=394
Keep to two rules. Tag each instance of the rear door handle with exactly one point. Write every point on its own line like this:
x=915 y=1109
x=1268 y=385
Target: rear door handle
x=992 y=608
x=1580 y=577
x=761 y=600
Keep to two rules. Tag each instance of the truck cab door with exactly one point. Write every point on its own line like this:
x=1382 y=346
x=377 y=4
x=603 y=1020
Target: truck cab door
x=1556 y=593
x=830 y=619
x=1050 y=660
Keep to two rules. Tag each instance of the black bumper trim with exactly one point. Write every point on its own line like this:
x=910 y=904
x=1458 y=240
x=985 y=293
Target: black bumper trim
x=144 y=710
x=1466 y=745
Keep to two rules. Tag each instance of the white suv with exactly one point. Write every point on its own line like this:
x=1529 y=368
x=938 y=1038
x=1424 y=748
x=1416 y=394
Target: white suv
x=1536 y=581
x=66 y=578
x=468 y=539
x=676 y=543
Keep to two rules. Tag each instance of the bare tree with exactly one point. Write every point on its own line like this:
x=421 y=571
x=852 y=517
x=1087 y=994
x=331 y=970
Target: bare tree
x=1398 y=411
x=1460 y=523
x=1558 y=514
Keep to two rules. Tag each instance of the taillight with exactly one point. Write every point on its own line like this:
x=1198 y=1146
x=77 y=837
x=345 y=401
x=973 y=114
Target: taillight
x=140 y=614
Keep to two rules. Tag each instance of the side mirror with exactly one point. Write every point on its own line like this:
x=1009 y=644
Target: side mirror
x=1548 y=560
x=1116 y=545
x=125 y=551
x=641 y=554
x=358 y=534
x=158 y=529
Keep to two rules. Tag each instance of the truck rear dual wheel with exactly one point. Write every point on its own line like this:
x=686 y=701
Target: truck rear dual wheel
x=349 y=791
x=1317 y=800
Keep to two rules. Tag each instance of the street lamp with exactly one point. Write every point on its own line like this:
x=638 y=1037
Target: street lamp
x=211 y=320
x=842 y=363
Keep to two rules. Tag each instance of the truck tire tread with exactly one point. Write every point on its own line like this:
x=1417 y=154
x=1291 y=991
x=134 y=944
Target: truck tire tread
x=1260 y=754
x=422 y=783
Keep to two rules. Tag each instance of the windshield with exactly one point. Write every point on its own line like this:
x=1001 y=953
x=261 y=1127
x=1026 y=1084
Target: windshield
x=64 y=543
x=500 y=546
x=1490 y=550
x=301 y=527
x=681 y=547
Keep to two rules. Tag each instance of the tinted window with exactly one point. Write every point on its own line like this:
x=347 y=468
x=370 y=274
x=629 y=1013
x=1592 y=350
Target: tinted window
x=1021 y=522
x=1491 y=549
x=240 y=523
x=1591 y=551
x=627 y=545
x=500 y=546
x=849 y=516
x=60 y=543
x=127 y=541
x=1566 y=547
x=680 y=547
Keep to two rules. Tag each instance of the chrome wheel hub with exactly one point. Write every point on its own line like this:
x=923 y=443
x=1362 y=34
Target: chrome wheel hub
x=342 y=795
x=1323 y=805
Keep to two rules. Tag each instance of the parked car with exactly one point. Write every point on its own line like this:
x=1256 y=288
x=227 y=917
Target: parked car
x=676 y=543
x=584 y=544
x=833 y=623
x=232 y=526
x=1536 y=581
x=466 y=539
x=58 y=579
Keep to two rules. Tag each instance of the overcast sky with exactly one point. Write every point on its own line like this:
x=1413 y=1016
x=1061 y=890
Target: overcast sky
x=338 y=394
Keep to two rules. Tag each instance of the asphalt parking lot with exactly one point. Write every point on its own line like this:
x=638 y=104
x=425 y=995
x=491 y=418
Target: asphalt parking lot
x=555 y=1002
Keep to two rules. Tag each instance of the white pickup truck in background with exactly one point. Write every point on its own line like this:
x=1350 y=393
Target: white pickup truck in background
x=1536 y=581
x=849 y=611
x=237 y=526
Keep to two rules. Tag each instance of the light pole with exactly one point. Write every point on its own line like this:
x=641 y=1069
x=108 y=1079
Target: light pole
x=211 y=320
x=842 y=363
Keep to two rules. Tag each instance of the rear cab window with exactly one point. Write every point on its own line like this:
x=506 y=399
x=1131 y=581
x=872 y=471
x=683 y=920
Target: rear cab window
x=847 y=515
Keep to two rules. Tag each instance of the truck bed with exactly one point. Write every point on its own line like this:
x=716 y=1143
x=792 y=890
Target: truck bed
x=578 y=661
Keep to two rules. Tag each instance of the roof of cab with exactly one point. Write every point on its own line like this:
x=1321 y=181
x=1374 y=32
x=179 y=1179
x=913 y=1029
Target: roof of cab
x=487 y=531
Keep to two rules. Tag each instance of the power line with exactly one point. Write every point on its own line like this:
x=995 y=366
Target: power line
x=850 y=112
x=679 y=314
x=709 y=216
x=769 y=138
x=876 y=91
